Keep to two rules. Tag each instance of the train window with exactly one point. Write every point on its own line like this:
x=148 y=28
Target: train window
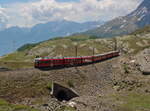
x=39 y=61
x=45 y=62
x=42 y=61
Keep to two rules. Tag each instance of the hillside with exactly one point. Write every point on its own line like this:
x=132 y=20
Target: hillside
x=145 y=30
x=126 y=24
x=60 y=47
x=131 y=44
x=112 y=85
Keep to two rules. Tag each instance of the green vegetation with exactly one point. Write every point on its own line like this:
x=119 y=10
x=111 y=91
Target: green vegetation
x=66 y=108
x=26 y=47
x=135 y=102
x=93 y=37
x=78 y=38
x=70 y=83
x=49 y=85
x=130 y=101
x=16 y=65
x=56 y=38
x=18 y=57
x=5 y=106
x=3 y=102
x=126 y=68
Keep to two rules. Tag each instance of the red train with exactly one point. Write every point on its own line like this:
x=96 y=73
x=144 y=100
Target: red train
x=72 y=61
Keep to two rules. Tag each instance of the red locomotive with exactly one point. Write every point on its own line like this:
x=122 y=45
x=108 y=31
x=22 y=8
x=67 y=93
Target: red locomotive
x=72 y=61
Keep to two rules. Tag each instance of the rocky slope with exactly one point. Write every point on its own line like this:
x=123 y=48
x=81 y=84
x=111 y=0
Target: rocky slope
x=89 y=81
x=115 y=84
x=125 y=25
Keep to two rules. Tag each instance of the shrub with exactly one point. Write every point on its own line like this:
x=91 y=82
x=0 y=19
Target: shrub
x=126 y=68
x=94 y=37
x=49 y=85
x=26 y=47
x=70 y=83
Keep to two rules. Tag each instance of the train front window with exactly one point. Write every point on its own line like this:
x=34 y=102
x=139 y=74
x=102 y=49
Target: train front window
x=36 y=62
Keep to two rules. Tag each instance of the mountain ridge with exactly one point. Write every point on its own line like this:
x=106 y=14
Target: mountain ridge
x=125 y=24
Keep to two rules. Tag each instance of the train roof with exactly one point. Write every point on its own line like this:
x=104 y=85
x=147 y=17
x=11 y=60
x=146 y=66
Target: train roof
x=78 y=57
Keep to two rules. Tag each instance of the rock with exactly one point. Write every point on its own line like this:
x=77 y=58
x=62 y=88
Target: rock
x=100 y=95
x=72 y=104
x=146 y=72
x=130 y=88
x=50 y=105
x=116 y=88
x=45 y=105
x=139 y=84
x=139 y=44
x=143 y=59
x=147 y=90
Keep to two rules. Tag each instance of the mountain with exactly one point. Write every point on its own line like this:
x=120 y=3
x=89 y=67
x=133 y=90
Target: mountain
x=11 y=38
x=125 y=25
x=14 y=37
x=46 y=31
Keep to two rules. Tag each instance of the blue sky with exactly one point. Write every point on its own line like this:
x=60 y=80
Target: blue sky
x=14 y=1
x=67 y=0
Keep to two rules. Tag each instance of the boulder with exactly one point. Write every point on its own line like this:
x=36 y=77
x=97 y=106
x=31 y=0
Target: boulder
x=143 y=59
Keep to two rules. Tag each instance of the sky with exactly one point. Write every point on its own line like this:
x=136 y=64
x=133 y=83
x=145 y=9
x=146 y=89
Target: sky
x=27 y=13
x=14 y=1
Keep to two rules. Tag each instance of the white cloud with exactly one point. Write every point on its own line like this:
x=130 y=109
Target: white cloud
x=85 y=10
x=3 y=18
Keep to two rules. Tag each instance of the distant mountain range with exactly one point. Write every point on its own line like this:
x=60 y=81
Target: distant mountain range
x=14 y=37
x=124 y=25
